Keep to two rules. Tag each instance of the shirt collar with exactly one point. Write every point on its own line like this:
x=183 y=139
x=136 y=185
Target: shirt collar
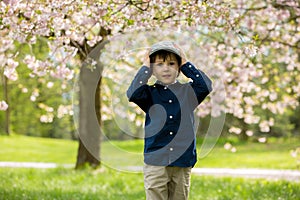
x=161 y=83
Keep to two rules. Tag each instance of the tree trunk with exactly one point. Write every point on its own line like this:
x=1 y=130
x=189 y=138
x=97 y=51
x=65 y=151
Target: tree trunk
x=89 y=112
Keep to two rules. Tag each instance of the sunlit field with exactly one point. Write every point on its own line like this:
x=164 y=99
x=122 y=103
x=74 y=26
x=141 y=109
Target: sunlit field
x=276 y=154
x=111 y=183
x=67 y=65
x=67 y=184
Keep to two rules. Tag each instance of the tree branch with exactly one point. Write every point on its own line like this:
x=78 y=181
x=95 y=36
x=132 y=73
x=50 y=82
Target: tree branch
x=82 y=54
x=131 y=2
x=120 y=9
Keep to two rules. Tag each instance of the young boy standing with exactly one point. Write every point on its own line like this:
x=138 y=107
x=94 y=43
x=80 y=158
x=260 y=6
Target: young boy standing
x=170 y=142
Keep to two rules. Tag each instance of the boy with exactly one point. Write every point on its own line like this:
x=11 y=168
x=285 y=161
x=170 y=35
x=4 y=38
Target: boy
x=170 y=142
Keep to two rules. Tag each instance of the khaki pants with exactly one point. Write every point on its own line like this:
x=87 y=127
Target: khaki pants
x=166 y=183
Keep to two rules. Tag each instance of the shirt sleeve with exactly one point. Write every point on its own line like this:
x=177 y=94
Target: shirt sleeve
x=201 y=83
x=138 y=91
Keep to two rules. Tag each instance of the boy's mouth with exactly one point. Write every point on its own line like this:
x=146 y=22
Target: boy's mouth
x=166 y=76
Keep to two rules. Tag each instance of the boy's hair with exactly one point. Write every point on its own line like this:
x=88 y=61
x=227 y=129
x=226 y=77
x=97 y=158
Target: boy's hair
x=164 y=55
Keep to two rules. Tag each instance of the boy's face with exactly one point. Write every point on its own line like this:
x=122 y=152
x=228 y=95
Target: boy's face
x=166 y=71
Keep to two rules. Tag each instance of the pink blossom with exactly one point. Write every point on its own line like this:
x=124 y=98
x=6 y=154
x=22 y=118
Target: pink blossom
x=62 y=72
x=11 y=74
x=24 y=90
x=251 y=119
x=227 y=146
x=228 y=57
x=264 y=126
x=10 y=2
x=235 y=130
x=50 y=84
x=64 y=110
x=39 y=68
x=3 y=105
x=273 y=96
x=10 y=69
x=251 y=50
x=48 y=118
x=216 y=110
x=249 y=133
x=262 y=139
x=233 y=150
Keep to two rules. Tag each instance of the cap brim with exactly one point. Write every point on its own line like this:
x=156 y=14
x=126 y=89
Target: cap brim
x=165 y=45
x=166 y=49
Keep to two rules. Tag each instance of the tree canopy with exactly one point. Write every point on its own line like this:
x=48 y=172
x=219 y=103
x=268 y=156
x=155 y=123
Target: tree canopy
x=251 y=48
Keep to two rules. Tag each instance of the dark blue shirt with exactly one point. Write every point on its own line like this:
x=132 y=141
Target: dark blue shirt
x=169 y=125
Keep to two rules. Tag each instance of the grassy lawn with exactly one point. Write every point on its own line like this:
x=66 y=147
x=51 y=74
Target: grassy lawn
x=273 y=155
x=68 y=184
x=276 y=154
x=107 y=183
x=33 y=149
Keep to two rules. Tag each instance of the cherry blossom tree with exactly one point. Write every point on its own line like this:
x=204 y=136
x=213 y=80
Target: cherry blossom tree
x=266 y=77
x=252 y=45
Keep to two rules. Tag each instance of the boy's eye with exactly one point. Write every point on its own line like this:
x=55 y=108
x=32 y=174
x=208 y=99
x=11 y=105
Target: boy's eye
x=172 y=63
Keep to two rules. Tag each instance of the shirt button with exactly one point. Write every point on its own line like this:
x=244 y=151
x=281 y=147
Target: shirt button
x=197 y=75
x=190 y=66
x=165 y=87
x=171 y=117
x=141 y=82
x=171 y=133
x=170 y=101
x=146 y=72
x=171 y=149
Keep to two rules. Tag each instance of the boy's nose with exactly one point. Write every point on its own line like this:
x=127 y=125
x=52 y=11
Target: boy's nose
x=166 y=67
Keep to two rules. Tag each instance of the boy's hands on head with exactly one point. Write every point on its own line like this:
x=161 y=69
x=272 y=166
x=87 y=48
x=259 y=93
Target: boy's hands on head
x=182 y=55
x=146 y=60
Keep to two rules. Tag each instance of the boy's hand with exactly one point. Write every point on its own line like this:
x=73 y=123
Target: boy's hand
x=182 y=55
x=146 y=61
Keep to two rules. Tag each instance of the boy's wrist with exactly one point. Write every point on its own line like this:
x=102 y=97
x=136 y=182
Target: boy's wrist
x=146 y=61
x=184 y=63
x=146 y=65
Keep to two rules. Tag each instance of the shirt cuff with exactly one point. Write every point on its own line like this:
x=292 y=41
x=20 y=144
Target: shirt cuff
x=190 y=71
x=143 y=75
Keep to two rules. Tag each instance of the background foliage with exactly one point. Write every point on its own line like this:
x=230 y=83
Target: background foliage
x=249 y=49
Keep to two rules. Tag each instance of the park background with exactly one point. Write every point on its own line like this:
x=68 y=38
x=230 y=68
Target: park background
x=66 y=66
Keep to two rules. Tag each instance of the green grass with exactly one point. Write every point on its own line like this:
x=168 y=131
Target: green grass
x=107 y=183
x=116 y=154
x=276 y=154
x=68 y=184
x=33 y=149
